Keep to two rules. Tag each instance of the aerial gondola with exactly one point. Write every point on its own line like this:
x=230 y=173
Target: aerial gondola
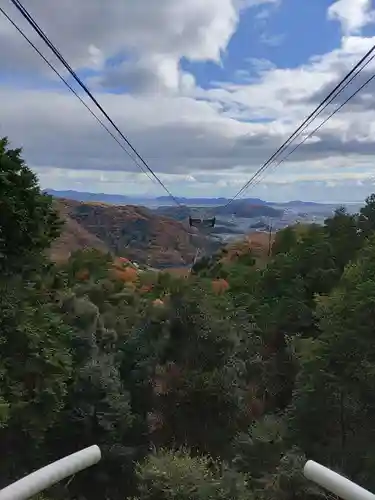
x=197 y=222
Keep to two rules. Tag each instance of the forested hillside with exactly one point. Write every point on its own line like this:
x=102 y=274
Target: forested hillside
x=214 y=386
x=129 y=231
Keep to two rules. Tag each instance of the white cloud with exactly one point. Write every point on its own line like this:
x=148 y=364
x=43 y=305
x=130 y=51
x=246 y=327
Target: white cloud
x=205 y=142
x=153 y=34
x=352 y=14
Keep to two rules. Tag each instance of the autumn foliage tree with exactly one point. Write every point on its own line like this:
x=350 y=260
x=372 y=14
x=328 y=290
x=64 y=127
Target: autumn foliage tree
x=219 y=385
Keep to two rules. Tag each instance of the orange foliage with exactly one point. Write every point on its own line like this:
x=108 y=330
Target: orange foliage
x=124 y=260
x=121 y=262
x=128 y=275
x=82 y=275
x=145 y=289
x=220 y=286
x=257 y=243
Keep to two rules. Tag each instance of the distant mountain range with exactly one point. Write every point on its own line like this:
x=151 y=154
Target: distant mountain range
x=239 y=208
x=298 y=203
x=114 y=199
x=118 y=199
x=207 y=201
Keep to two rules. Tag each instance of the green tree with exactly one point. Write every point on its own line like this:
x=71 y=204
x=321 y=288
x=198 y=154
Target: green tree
x=366 y=220
x=28 y=221
x=333 y=411
x=35 y=369
x=168 y=475
x=188 y=360
x=285 y=240
x=287 y=481
x=275 y=471
x=98 y=407
x=344 y=236
x=259 y=450
x=93 y=263
x=315 y=261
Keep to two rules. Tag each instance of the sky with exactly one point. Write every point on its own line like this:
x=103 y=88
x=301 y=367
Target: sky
x=206 y=91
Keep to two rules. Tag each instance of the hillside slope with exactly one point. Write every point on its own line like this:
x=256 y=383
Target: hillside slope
x=74 y=237
x=239 y=208
x=131 y=231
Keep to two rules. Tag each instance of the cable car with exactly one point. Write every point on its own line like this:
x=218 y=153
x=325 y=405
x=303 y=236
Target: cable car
x=194 y=222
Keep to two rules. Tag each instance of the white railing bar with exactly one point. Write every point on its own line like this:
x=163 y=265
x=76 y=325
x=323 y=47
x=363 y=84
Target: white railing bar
x=333 y=482
x=51 y=474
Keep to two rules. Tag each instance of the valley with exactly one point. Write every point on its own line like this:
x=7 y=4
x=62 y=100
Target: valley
x=137 y=233
x=240 y=219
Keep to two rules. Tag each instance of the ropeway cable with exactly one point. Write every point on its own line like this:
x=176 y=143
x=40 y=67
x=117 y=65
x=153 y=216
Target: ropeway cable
x=57 y=53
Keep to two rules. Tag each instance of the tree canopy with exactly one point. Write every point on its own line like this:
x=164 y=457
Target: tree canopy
x=219 y=384
x=28 y=221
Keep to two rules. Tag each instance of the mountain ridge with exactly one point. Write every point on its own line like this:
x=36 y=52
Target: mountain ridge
x=125 y=199
x=130 y=231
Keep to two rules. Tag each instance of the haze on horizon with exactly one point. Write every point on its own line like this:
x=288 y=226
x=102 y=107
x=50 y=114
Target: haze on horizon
x=161 y=200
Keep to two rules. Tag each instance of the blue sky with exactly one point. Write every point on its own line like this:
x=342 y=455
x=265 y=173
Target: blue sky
x=206 y=92
x=284 y=34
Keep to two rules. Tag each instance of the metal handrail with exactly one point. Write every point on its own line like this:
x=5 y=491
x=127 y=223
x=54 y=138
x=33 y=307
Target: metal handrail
x=47 y=476
x=336 y=484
